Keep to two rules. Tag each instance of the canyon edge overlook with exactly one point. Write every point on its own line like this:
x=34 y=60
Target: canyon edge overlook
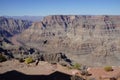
x=87 y=39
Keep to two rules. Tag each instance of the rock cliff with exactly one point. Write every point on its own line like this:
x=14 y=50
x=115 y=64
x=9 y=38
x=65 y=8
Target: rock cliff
x=92 y=40
x=10 y=26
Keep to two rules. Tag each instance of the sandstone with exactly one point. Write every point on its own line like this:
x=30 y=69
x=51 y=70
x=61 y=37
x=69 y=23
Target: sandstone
x=93 y=39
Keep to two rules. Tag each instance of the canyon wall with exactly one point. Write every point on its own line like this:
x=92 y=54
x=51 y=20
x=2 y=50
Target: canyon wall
x=93 y=40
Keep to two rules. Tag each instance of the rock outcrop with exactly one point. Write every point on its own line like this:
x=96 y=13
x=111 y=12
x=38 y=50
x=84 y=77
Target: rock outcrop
x=21 y=53
x=92 y=40
x=10 y=26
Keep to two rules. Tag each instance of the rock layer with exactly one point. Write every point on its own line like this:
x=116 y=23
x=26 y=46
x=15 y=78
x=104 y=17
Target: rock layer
x=10 y=26
x=92 y=40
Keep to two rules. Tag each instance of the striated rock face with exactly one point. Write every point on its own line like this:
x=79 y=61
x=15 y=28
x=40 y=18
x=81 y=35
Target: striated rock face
x=10 y=27
x=93 y=40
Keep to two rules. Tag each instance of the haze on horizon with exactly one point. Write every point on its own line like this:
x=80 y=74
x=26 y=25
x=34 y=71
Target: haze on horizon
x=59 y=7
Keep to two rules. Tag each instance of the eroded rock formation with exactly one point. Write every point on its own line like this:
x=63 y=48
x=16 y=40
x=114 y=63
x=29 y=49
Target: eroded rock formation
x=10 y=26
x=93 y=40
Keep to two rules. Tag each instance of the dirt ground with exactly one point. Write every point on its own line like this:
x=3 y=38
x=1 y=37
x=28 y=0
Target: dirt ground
x=43 y=68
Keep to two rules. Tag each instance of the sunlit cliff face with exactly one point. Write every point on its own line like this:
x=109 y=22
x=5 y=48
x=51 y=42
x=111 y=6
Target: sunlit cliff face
x=88 y=36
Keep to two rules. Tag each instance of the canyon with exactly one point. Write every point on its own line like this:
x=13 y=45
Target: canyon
x=87 y=39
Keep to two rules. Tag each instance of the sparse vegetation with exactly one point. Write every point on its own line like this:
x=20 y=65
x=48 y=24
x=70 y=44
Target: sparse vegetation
x=77 y=66
x=108 y=68
x=28 y=60
x=2 y=58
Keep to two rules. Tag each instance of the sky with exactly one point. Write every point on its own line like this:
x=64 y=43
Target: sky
x=59 y=7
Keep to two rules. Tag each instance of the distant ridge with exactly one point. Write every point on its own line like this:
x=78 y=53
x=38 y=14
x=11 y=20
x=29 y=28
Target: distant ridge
x=10 y=26
x=29 y=18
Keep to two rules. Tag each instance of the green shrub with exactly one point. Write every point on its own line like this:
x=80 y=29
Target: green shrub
x=28 y=60
x=76 y=66
x=108 y=68
x=2 y=58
